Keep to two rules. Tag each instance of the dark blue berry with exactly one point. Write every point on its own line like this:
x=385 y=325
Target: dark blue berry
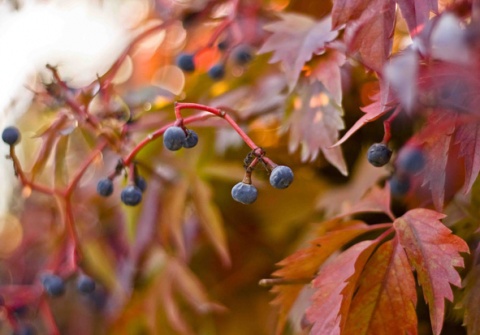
x=410 y=160
x=379 y=154
x=85 y=284
x=216 y=72
x=186 y=62
x=24 y=329
x=244 y=193
x=11 y=135
x=131 y=195
x=105 y=187
x=141 y=183
x=399 y=186
x=242 y=54
x=281 y=177
x=223 y=45
x=191 y=140
x=53 y=285
x=174 y=138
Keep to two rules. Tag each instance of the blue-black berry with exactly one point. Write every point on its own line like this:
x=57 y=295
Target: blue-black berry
x=85 y=284
x=410 y=160
x=379 y=154
x=244 y=193
x=281 y=177
x=186 y=62
x=223 y=45
x=216 y=72
x=242 y=54
x=53 y=285
x=131 y=195
x=174 y=138
x=191 y=140
x=141 y=183
x=105 y=187
x=11 y=135
x=399 y=186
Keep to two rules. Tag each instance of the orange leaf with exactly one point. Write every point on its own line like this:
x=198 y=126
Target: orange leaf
x=433 y=251
x=335 y=286
x=386 y=297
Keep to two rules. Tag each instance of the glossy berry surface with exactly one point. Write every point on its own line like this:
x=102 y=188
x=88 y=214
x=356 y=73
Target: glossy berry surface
x=105 y=187
x=281 y=177
x=244 y=193
x=141 y=183
x=186 y=62
x=399 y=185
x=53 y=285
x=174 y=138
x=191 y=140
x=379 y=154
x=131 y=195
x=11 y=135
x=216 y=72
x=242 y=54
x=85 y=284
x=410 y=160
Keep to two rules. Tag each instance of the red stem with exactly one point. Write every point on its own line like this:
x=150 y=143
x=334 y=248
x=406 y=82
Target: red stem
x=387 y=124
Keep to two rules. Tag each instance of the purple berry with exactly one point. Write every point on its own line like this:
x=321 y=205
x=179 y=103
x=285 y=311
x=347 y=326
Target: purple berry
x=379 y=154
x=191 y=140
x=410 y=160
x=53 y=285
x=105 y=187
x=244 y=193
x=242 y=54
x=85 y=284
x=281 y=177
x=131 y=195
x=11 y=135
x=216 y=72
x=141 y=183
x=174 y=138
x=186 y=62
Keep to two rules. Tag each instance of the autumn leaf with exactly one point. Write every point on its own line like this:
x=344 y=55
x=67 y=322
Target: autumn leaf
x=314 y=125
x=433 y=251
x=386 y=297
x=471 y=299
x=335 y=286
x=417 y=12
x=305 y=263
x=327 y=71
x=294 y=40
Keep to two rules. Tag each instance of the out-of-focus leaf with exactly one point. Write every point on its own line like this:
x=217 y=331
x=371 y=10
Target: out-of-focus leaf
x=294 y=40
x=386 y=296
x=471 y=298
x=417 y=12
x=433 y=251
x=327 y=71
x=304 y=264
x=210 y=218
x=335 y=286
x=61 y=169
x=314 y=125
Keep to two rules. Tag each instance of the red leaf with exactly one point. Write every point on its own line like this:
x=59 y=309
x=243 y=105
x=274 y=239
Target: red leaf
x=327 y=71
x=335 y=286
x=314 y=125
x=294 y=40
x=417 y=12
x=467 y=137
x=372 y=112
x=344 y=11
x=305 y=263
x=433 y=251
x=386 y=296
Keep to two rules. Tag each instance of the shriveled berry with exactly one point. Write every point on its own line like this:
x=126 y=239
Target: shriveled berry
x=85 y=284
x=141 y=183
x=281 y=177
x=399 y=185
x=174 y=138
x=191 y=140
x=216 y=72
x=244 y=193
x=131 y=195
x=410 y=160
x=53 y=285
x=105 y=187
x=186 y=62
x=379 y=154
x=11 y=135
x=242 y=54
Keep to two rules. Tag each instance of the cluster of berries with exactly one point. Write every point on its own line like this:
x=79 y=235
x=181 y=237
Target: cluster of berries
x=241 y=55
x=409 y=161
x=130 y=195
x=54 y=285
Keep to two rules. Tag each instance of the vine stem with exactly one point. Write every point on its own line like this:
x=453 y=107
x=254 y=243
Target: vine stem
x=387 y=124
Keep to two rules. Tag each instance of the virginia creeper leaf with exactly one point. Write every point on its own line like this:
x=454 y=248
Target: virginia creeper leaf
x=294 y=40
x=314 y=125
x=335 y=285
x=417 y=12
x=327 y=71
x=305 y=263
x=386 y=297
x=471 y=299
x=433 y=251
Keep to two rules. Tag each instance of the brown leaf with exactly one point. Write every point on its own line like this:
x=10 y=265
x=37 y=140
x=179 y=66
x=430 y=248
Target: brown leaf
x=433 y=251
x=386 y=297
